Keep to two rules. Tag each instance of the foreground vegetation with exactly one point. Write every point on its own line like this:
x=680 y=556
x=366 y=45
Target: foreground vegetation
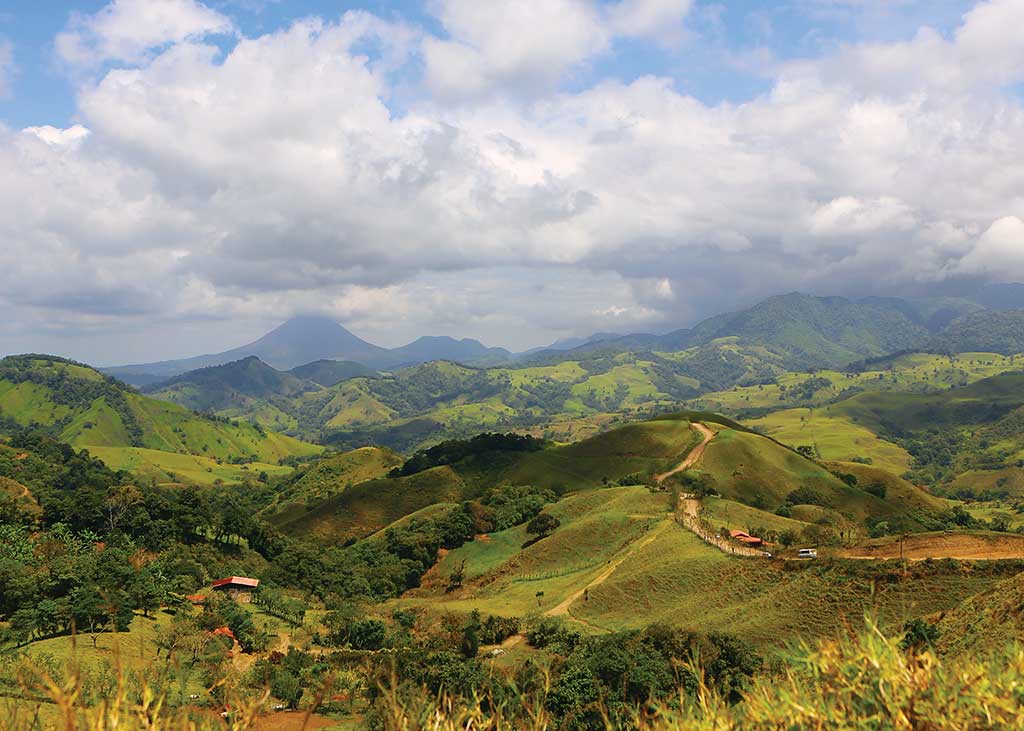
x=862 y=683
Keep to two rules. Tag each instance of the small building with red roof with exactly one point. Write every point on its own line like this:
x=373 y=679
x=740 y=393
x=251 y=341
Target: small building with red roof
x=239 y=588
x=746 y=538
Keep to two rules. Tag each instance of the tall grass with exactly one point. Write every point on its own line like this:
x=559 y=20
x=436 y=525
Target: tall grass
x=862 y=683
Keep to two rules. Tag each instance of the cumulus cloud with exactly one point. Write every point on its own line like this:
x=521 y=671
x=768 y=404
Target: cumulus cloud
x=510 y=44
x=999 y=253
x=278 y=176
x=70 y=137
x=131 y=30
x=660 y=18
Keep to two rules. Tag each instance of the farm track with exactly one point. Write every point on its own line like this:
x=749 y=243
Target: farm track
x=688 y=513
x=688 y=505
x=563 y=608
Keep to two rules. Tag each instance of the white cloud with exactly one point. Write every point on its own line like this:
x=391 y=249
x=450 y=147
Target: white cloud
x=276 y=177
x=659 y=18
x=999 y=253
x=504 y=46
x=130 y=31
x=510 y=44
x=70 y=137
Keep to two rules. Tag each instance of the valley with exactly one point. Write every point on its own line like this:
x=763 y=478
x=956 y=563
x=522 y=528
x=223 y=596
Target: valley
x=480 y=518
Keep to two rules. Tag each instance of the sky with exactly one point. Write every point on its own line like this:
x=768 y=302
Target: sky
x=177 y=176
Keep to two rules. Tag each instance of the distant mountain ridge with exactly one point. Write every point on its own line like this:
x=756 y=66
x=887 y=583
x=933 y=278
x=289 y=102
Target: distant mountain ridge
x=430 y=348
x=307 y=339
x=799 y=331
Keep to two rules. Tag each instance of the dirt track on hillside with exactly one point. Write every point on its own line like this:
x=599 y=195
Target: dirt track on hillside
x=693 y=457
x=689 y=506
x=563 y=608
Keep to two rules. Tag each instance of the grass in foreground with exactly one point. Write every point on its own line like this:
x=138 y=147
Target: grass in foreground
x=864 y=683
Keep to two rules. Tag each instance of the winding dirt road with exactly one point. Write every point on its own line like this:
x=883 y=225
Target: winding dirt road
x=693 y=457
x=689 y=506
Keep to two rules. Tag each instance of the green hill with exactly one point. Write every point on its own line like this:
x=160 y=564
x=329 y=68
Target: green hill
x=656 y=571
x=80 y=406
x=988 y=330
x=756 y=471
x=966 y=438
x=985 y=622
x=332 y=372
x=789 y=351
x=634 y=451
x=328 y=477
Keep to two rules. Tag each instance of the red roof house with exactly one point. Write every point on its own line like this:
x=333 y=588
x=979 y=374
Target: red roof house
x=239 y=588
x=745 y=538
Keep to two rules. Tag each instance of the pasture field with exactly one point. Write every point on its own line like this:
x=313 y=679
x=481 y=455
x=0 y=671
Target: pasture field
x=635 y=450
x=737 y=516
x=665 y=573
x=173 y=468
x=914 y=372
x=834 y=437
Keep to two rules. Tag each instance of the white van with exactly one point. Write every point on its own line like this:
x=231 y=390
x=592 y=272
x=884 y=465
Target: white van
x=808 y=553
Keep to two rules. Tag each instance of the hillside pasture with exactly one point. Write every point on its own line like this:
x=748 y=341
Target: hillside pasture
x=833 y=437
x=967 y=545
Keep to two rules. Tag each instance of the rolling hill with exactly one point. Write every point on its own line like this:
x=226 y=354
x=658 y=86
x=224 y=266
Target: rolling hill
x=332 y=372
x=985 y=622
x=743 y=467
x=965 y=438
x=166 y=442
x=619 y=562
x=795 y=350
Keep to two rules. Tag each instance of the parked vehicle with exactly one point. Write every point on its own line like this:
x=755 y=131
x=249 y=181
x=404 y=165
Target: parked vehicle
x=808 y=553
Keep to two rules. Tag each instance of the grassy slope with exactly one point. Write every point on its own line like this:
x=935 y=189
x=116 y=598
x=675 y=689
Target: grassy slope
x=914 y=372
x=679 y=580
x=370 y=506
x=835 y=437
x=985 y=622
x=329 y=477
x=756 y=471
x=168 y=432
x=978 y=403
x=644 y=447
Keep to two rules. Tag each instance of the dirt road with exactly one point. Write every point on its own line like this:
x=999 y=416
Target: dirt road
x=563 y=608
x=689 y=505
x=693 y=457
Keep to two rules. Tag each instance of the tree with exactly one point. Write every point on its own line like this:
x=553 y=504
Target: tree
x=543 y=525
x=147 y=590
x=470 y=644
x=918 y=635
x=287 y=686
x=457 y=577
x=367 y=634
x=88 y=610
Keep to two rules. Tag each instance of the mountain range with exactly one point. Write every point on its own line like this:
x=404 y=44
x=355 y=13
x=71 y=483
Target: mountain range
x=441 y=387
x=309 y=338
x=800 y=331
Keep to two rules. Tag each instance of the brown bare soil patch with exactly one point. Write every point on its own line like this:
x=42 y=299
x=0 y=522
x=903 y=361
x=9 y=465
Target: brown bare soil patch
x=968 y=546
x=292 y=721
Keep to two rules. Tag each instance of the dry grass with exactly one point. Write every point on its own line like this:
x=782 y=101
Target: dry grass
x=948 y=544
